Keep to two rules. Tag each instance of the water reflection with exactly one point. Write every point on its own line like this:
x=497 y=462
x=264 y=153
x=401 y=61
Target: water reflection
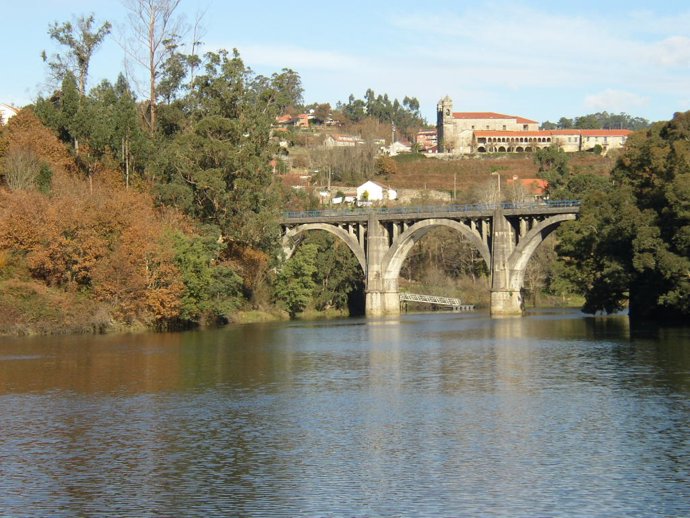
x=443 y=414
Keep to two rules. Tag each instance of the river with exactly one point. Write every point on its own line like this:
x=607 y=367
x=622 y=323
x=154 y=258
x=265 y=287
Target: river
x=436 y=414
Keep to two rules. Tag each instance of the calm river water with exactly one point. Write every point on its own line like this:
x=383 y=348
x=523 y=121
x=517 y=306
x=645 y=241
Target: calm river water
x=434 y=414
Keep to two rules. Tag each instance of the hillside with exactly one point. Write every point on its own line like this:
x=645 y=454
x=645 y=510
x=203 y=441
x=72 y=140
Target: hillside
x=470 y=173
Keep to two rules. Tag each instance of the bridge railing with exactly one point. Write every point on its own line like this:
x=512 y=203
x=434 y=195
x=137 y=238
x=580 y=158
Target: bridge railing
x=429 y=208
x=456 y=304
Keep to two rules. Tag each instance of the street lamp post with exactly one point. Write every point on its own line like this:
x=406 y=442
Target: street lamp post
x=498 y=183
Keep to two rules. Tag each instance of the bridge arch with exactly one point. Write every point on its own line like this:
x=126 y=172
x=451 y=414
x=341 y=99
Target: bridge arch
x=289 y=243
x=397 y=253
x=517 y=263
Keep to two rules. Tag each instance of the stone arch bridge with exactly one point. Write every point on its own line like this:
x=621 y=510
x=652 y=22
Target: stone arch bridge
x=506 y=236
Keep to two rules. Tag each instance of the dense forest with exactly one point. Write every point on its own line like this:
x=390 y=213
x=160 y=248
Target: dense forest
x=159 y=211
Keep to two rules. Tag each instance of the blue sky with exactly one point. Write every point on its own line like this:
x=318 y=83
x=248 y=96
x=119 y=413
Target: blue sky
x=530 y=58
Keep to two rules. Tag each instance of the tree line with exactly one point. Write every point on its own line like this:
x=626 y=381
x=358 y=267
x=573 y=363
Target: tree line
x=599 y=120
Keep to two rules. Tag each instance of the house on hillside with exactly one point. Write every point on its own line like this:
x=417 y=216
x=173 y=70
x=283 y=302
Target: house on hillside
x=427 y=140
x=398 y=147
x=302 y=120
x=7 y=112
x=372 y=192
x=283 y=121
x=527 y=189
x=298 y=121
x=339 y=140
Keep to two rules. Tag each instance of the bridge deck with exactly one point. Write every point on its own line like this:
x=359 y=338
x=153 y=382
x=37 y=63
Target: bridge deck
x=347 y=215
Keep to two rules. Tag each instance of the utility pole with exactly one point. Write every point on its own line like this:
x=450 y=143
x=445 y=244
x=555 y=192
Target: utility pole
x=498 y=183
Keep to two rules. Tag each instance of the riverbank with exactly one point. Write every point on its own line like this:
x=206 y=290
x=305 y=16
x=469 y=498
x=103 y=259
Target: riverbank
x=30 y=308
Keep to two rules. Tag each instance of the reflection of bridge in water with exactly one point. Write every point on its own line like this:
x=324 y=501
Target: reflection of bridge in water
x=505 y=236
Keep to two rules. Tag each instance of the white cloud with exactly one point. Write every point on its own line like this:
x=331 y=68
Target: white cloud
x=615 y=101
x=671 y=52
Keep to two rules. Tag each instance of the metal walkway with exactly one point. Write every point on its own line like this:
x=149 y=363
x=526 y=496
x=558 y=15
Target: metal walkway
x=456 y=304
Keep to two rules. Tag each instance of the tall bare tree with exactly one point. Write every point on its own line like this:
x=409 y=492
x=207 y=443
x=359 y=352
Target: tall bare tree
x=154 y=29
x=81 y=41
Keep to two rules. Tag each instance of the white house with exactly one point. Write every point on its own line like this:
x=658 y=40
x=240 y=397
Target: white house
x=7 y=112
x=338 y=140
x=371 y=191
x=398 y=147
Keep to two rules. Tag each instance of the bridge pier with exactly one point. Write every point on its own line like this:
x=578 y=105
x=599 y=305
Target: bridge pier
x=506 y=303
x=382 y=294
x=380 y=303
x=506 y=298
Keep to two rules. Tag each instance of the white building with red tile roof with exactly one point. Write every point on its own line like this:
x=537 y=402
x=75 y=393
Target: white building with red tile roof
x=427 y=140
x=568 y=140
x=490 y=132
x=371 y=191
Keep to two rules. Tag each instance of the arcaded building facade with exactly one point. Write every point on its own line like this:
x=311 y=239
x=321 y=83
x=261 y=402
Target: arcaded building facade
x=462 y=133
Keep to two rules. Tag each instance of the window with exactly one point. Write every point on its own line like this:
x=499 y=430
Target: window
x=524 y=127
x=504 y=127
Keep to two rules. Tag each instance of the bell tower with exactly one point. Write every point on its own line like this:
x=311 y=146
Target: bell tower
x=444 y=116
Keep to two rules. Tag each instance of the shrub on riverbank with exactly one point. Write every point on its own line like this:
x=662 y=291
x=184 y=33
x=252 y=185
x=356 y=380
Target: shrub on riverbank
x=31 y=308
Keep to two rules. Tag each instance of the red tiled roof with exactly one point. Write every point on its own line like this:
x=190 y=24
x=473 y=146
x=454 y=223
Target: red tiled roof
x=564 y=131
x=500 y=133
x=522 y=120
x=533 y=185
x=606 y=133
x=553 y=133
x=491 y=115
